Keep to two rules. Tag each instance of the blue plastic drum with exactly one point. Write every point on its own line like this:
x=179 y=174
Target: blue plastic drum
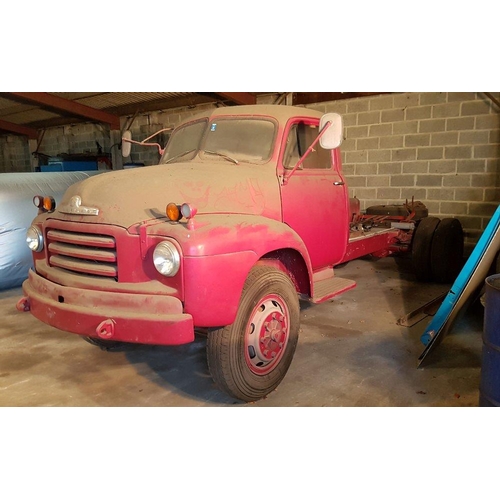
x=490 y=367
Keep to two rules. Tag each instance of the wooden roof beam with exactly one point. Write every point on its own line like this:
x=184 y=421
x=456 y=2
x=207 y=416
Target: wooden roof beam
x=59 y=104
x=18 y=129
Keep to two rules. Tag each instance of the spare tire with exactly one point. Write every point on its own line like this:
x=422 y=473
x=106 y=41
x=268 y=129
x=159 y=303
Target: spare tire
x=447 y=251
x=421 y=248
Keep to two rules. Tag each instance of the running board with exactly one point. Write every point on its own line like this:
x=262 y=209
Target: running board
x=330 y=287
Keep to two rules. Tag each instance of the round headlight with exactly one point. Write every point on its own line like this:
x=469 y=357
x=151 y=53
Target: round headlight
x=34 y=239
x=166 y=259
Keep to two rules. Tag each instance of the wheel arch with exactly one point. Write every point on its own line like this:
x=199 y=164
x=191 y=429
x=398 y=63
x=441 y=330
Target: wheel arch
x=228 y=261
x=292 y=263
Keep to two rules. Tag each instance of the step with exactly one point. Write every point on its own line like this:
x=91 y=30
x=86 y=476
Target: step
x=330 y=287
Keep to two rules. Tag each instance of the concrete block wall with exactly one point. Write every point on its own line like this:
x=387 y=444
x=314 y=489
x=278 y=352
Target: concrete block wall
x=75 y=139
x=442 y=148
x=70 y=139
x=14 y=154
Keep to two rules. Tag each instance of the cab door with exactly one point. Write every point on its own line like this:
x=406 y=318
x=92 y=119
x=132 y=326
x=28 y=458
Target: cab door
x=315 y=201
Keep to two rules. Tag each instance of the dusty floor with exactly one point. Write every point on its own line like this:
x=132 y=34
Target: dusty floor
x=351 y=353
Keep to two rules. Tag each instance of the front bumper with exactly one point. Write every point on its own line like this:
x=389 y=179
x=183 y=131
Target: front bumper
x=124 y=317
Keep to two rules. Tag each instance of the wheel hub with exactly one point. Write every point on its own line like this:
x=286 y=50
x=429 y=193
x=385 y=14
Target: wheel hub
x=267 y=335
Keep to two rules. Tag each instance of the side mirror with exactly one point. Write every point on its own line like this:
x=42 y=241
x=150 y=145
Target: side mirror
x=332 y=138
x=126 y=144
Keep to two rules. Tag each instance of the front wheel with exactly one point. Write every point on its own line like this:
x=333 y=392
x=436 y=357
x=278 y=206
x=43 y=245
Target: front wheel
x=250 y=358
x=105 y=345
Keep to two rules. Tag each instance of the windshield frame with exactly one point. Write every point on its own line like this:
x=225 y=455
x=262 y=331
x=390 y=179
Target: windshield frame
x=200 y=154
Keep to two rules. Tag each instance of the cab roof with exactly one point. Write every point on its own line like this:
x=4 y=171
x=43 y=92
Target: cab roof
x=279 y=112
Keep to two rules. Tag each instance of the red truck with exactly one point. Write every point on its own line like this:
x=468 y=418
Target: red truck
x=246 y=213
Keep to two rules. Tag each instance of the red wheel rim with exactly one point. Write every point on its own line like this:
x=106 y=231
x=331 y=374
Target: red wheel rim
x=267 y=334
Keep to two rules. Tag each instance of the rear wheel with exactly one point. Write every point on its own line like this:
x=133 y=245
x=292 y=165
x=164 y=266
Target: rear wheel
x=447 y=251
x=250 y=358
x=421 y=248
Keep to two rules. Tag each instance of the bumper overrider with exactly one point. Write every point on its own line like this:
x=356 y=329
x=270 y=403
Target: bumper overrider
x=124 y=317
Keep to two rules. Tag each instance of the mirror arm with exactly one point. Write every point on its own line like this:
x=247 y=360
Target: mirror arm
x=306 y=154
x=168 y=129
x=155 y=144
x=145 y=143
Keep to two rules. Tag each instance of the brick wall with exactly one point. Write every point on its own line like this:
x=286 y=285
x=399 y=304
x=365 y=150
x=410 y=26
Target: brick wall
x=442 y=148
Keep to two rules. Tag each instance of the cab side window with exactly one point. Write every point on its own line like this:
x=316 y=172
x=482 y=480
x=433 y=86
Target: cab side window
x=299 y=139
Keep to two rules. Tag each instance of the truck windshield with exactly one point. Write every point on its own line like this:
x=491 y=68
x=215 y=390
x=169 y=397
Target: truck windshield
x=230 y=139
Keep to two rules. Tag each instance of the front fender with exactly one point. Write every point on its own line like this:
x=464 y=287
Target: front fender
x=221 y=234
x=219 y=251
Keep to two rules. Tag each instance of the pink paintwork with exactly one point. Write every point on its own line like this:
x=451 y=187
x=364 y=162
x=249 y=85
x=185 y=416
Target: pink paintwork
x=248 y=207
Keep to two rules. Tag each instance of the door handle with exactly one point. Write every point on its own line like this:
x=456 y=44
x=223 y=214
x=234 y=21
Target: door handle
x=339 y=183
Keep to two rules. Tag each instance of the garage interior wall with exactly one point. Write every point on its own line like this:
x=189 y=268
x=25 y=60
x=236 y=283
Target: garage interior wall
x=442 y=148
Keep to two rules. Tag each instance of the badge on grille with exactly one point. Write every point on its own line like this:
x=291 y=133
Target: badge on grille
x=74 y=206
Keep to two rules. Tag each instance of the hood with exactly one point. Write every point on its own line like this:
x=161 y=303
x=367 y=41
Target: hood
x=126 y=197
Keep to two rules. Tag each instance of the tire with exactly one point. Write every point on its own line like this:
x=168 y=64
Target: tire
x=447 y=251
x=421 y=248
x=247 y=360
x=105 y=345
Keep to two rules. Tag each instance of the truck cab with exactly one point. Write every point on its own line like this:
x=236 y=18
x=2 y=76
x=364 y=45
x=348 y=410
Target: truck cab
x=246 y=213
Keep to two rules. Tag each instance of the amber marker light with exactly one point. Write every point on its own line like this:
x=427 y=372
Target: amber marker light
x=173 y=212
x=49 y=204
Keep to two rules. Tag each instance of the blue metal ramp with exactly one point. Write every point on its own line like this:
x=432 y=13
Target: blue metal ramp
x=465 y=288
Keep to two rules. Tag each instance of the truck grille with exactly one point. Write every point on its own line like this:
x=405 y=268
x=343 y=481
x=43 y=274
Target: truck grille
x=82 y=253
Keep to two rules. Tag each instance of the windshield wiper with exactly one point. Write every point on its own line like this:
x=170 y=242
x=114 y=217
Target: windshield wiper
x=236 y=162
x=180 y=155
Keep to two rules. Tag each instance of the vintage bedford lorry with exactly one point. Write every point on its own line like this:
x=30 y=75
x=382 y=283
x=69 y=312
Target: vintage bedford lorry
x=246 y=213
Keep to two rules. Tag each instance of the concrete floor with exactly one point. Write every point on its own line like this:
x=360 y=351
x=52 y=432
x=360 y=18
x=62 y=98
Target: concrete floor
x=351 y=353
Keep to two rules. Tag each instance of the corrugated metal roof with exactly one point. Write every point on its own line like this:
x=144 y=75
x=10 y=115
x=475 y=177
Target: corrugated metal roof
x=29 y=114
x=23 y=117
x=115 y=99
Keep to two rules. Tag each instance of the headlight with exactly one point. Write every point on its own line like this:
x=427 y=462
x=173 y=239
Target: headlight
x=34 y=239
x=166 y=258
